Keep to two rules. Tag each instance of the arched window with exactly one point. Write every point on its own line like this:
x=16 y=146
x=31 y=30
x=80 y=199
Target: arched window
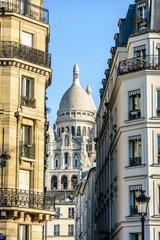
x=66 y=141
x=56 y=161
x=62 y=129
x=67 y=129
x=64 y=182
x=59 y=132
x=66 y=158
x=73 y=131
x=88 y=131
x=78 y=131
x=84 y=131
x=74 y=181
x=76 y=160
x=54 y=182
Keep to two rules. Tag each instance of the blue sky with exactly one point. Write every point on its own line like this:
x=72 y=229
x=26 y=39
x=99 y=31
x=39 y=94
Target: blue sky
x=82 y=30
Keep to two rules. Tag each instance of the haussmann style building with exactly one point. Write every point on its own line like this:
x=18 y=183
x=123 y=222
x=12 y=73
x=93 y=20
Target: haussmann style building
x=71 y=152
x=25 y=73
x=128 y=126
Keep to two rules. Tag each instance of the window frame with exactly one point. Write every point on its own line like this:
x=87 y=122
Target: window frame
x=135 y=151
x=134 y=102
x=71 y=230
x=70 y=212
x=56 y=232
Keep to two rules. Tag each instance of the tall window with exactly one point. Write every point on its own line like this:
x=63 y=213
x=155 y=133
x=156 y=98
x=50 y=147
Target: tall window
x=76 y=160
x=57 y=210
x=142 y=11
x=158 y=102
x=62 y=129
x=134 y=192
x=74 y=181
x=56 y=161
x=64 y=182
x=134 y=236
x=27 y=39
x=70 y=230
x=73 y=131
x=78 y=131
x=70 y=212
x=26 y=134
x=56 y=230
x=27 y=87
x=24 y=232
x=135 y=150
x=54 y=182
x=66 y=158
x=134 y=104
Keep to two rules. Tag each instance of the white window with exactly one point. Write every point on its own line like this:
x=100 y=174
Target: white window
x=142 y=11
x=70 y=212
x=135 y=151
x=70 y=230
x=27 y=39
x=56 y=230
x=134 y=104
x=134 y=236
x=134 y=192
x=24 y=232
x=26 y=134
x=27 y=87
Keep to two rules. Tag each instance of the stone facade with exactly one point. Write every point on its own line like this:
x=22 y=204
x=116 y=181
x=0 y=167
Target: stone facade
x=25 y=74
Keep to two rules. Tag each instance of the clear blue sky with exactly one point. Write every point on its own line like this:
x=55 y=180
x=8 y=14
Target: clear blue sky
x=82 y=30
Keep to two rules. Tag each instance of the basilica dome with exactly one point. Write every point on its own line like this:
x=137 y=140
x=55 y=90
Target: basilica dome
x=76 y=98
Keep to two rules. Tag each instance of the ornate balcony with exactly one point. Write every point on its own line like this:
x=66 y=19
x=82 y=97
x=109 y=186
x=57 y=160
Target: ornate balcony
x=12 y=49
x=135 y=161
x=139 y=63
x=28 y=102
x=10 y=197
x=134 y=114
x=27 y=9
x=133 y=210
x=27 y=150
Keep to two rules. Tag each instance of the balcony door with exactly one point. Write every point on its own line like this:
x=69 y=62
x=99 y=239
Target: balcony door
x=24 y=7
x=24 y=187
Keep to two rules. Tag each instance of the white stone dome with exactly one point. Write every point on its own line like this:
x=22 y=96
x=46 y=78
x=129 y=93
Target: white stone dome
x=76 y=98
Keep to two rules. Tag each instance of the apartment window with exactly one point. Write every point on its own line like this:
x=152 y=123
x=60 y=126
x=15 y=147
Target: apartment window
x=27 y=39
x=135 y=151
x=70 y=230
x=158 y=149
x=57 y=210
x=134 y=192
x=158 y=102
x=70 y=212
x=142 y=16
x=134 y=104
x=24 y=232
x=27 y=87
x=134 y=236
x=56 y=230
x=26 y=134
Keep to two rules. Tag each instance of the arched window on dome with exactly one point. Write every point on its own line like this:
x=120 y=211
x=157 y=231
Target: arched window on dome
x=56 y=161
x=54 y=182
x=76 y=161
x=66 y=141
x=74 y=181
x=64 y=182
x=73 y=131
x=67 y=129
x=84 y=131
x=78 y=131
x=62 y=129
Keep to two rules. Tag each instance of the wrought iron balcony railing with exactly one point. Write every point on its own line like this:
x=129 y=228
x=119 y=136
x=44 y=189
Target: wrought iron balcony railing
x=10 y=49
x=139 y=63
x=10 y=197
x=28 y=102
x=27 y=150
x=134 y=114
x=27 y=9
x=135 y=161
x=133 y=210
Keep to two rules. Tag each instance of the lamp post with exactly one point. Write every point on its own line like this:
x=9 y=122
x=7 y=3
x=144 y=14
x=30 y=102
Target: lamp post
x=143 y=201
x=3 y=157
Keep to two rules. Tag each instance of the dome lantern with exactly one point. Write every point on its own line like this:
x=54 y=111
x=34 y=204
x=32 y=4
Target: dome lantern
x=76 y=74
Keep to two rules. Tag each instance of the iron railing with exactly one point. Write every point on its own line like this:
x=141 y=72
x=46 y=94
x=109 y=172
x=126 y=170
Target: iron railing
x=10 y=197
x=27 y=9
x=134 y=114
x=133 y=210
x=139 y=63
x=27 y=150
x=28 y=102
x=10 y=49
x=135 y=161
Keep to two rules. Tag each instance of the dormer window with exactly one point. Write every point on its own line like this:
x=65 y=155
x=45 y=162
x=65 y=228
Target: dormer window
x=142 y=16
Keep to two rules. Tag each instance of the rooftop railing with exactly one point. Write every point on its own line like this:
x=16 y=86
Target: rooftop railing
x=139 y=63
x=10 y=197
x=10 y=49
x=27 y=9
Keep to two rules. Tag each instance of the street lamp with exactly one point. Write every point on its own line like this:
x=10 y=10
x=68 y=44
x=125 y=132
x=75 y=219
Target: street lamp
x=3 y=157
x=143 y=201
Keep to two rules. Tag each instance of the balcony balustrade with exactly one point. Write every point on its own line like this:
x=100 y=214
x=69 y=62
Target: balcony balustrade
x=27 y=150
x=10 y=49
x=134 y=114
x=139 y=63
x=10 y=197
x=27 y=9
x=133 y=210
x=28 y=102
x=135 y=161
